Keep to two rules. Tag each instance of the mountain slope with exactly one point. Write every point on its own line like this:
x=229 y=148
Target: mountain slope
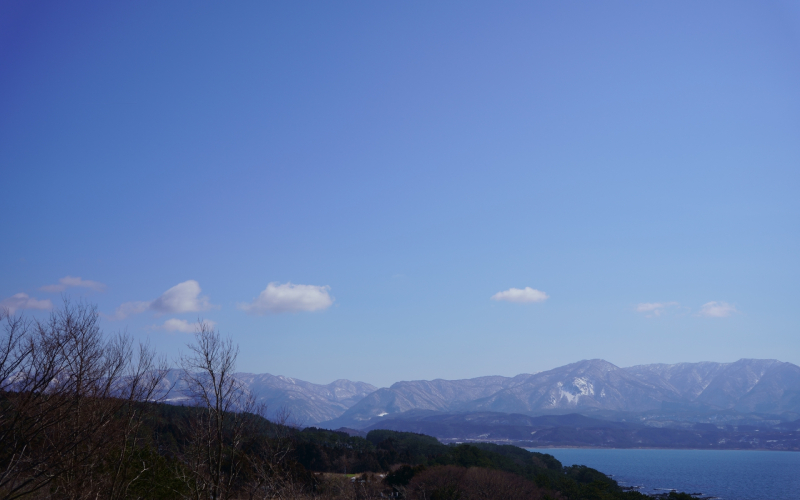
x=305 y=403
x=687 y=379
x=747 y=385
x=585 y=385
x=439 y=395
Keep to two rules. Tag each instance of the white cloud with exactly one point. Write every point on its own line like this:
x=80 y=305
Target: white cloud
x=715 y=309
x=181 y=325
x=526 y=294
x=70 y=281
x=23 y=301
x=130 y=308
x=654 y=309
x=289 y=298
x=181 y=298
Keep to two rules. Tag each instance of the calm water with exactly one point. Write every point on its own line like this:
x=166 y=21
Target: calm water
x=729 y=475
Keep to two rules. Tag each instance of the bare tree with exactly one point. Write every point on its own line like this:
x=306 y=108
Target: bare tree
x=138 y=385
x=217 y=428
x=63 y=389
x=18 y=391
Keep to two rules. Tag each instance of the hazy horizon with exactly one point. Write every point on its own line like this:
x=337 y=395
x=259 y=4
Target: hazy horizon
x=410 y=191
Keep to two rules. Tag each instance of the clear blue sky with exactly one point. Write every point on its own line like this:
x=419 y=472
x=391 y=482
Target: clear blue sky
x=636 y=164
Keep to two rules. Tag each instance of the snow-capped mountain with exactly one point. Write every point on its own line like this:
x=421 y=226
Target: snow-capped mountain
x=747 y=385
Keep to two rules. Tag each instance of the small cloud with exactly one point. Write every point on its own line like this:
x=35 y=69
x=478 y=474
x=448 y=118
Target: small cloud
x=129 y=309
x=72 y=281
x=23 y=301
x=654 y=309
x=181 y=298
x=289 y=298
x=715 y=309
x=183 y=326
x=524 y=295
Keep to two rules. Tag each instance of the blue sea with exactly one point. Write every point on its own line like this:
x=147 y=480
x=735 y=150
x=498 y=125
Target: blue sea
x=723 y=474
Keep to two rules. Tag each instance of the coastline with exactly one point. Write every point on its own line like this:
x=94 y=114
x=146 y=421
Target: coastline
x=651 y=448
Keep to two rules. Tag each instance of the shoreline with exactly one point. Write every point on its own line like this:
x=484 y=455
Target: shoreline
x=651 y=448
x=556 y=446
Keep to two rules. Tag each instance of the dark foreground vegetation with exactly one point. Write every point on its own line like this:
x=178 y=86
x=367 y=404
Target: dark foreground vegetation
x=80 y=419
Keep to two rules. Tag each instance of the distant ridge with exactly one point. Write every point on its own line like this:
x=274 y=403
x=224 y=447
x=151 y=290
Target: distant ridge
x=747 y=385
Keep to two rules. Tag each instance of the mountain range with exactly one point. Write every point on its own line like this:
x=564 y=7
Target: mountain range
x=591 y=387
x=745 y=386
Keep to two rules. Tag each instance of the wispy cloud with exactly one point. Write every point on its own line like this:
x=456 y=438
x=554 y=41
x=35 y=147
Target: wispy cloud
x=183 y=326
x=717 y=309
x=181 y=298
x=523 y=295
x=21 y=301
x=129 y=309
x=288 y=297
x=73 y=281
x=654 y=309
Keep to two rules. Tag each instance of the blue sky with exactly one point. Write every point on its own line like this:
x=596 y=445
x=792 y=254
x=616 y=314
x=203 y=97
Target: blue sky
x=345 y=188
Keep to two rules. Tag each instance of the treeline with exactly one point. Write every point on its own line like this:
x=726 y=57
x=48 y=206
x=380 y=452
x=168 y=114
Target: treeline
x=80 y=418
x=581 y=431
